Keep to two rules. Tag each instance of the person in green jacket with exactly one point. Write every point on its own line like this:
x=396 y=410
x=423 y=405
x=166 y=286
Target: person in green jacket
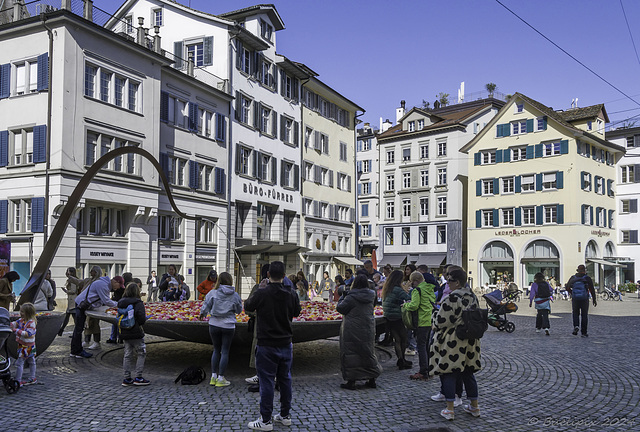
x=422 y=299
x=393 y=296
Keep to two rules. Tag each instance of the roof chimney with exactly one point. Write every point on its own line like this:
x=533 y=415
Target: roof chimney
x=386 y=125
x=141 y=39
x=400 y=111
x=156 y=40
x=88 y=10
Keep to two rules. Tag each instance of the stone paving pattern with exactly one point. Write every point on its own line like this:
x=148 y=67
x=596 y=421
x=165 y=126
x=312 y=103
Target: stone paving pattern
x=527 y=382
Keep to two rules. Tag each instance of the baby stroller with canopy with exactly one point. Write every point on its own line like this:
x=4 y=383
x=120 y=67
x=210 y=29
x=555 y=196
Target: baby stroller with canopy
x=10 y=385
x=498 y=310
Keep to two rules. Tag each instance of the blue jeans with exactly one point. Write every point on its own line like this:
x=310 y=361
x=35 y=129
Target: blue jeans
x=448 y=381
x=411 y=339
x=271 y=363
x=422 y=334
x=221 y=339
x=580 y=309
x=115 y=333
x=76 y=339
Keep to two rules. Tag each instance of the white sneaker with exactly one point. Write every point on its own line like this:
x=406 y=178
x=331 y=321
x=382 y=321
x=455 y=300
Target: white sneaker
x=457 y=402
x=95 y=345
x=438 y=398
x=449 y=415
x=546 y=331
x=222 y=382
x=260 y=425
x=537 y=330
x=471 y=410
x=409 y=352
x=252 y=380
x=286 y=421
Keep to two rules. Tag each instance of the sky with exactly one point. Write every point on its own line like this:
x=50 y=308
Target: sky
x=377 y=53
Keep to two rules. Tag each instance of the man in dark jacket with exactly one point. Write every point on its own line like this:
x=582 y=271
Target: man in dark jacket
x=275 y=306
x=580 y=286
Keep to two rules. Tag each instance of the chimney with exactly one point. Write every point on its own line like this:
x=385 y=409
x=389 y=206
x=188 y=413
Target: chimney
x=156 y=40
x=190 y=64
x=88 y=10
x=66 y=4
x=400 y=111
x=19 y=10
x=140 y=36
x=386 y=125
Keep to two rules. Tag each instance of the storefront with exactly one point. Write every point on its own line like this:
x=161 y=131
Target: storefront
x=540 y=256
x=168 y=255
x=496 y=265
x=111 y=255
x=205 y=262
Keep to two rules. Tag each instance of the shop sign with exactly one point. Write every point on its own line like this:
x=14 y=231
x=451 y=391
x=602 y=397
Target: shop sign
x=600 y=233
x=102 y=255
x=265 y=192
x=170 y=256
x=517 y=232
x=206 y=255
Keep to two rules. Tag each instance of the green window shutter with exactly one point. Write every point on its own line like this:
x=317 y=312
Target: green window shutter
x=610 y=188
x=518 y=184
x=559 y=180
x=478 y=187
x=538 y=182
x=538 y=150
x=529 y=125
x=476 y=158
x=582 y=213
x=591 y=215
x=496 y=218
x=506 y=129
x=478 y=219
x=582 y=183
x=496 y=186
x=560 y=214
x=598 y=215
x=610 y=219
x=518 y=216
x=506 y=155
x=499 y=130
x=498 y=156
x=539 y=214
x=530 y=152
x=564 y=147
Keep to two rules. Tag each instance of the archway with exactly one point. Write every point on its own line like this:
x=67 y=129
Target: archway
x=496 y=265
x=541 y=256
x=591 y=251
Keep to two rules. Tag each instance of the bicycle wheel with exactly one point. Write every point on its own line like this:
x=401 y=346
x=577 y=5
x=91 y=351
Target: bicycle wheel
x=604 y=296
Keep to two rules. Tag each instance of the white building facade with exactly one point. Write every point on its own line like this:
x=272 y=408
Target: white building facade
x=368 y=191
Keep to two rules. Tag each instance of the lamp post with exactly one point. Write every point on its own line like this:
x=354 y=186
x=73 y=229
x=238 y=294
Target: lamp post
x=361 y=244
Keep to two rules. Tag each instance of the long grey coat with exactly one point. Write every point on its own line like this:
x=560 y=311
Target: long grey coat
x=357 y=336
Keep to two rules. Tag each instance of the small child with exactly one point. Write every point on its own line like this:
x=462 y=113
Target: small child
x=133 y=337
x=25 y=330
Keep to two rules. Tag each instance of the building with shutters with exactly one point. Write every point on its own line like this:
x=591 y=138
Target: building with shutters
x=422 y=178
x=368 y=190
x=542 y=195
x=627 y=196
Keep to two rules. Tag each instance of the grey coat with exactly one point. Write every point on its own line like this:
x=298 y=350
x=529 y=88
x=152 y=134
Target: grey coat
x=358 y=360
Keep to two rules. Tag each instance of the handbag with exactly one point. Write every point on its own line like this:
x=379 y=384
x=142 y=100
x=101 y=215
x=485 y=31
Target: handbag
x=410 y=318
x=85 y=304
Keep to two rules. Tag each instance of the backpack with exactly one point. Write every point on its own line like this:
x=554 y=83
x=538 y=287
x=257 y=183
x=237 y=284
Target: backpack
x=193 y=375
x=579 y=288
x=543 y=290
x=475 y=322
x=126 y=318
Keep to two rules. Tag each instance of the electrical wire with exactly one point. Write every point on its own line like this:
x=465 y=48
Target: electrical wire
x=630 y=34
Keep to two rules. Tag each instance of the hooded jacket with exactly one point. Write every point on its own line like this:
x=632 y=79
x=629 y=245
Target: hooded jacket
x=139 y=314
x=98 y=292
x=222 y=304
x=275 y=306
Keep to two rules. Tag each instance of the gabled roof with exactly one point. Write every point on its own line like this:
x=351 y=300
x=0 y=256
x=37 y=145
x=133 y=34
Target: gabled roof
x=590 y=112
x=269 y=9
x=124 y=8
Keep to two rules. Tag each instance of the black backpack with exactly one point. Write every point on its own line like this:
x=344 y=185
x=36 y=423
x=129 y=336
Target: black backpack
x=543 y=290
x=193 y=375
x=475 y=322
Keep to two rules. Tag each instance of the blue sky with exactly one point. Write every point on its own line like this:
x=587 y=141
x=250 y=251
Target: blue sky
x=377 y=52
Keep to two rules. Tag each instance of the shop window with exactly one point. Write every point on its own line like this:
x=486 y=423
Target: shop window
x=170 y=228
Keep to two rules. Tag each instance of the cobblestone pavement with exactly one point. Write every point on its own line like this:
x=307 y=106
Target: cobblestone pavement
x=530 y=382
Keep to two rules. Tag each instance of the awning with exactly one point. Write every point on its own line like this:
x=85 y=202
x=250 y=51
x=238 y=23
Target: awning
x=430 y=260
x=348 y=260
x=392 y=260
x=605 y=262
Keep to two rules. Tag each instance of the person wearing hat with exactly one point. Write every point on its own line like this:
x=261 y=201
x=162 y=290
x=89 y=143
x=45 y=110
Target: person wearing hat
x=116 y=295
x=207 y=284
x=96 y=294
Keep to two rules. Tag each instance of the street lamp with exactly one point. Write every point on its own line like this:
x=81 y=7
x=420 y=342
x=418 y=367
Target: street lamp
x=361 y=244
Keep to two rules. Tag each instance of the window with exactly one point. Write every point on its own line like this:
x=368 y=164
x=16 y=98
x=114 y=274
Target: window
x=157 y=17
x=127 y=25
x=424 y=151
x=264 y=167
x=264 y=220
x=629 y=206
x=123 y=164
x=406 y=180
x=406 y=154
x=366 y=144
x=633 y=141
x=519 y=108
x=519 y=153
x=245 y=159
x=528 y=183
x=487 y=218
x=265 y=120
x=176 y=170
x=366 y=166
x=541 y=123
x=391 y=209
x=507 y=217
x=630 y=236
x=587 y=211
x=420 y=124
x=89 y=80
x=245 y=60
x=442 y=206
x=391 y=156
x=528 y=215
x=601 y=217
x=424 y=206
x=169 y=227
x=551 y=149
x=406 y=235
x=366 y=188
x=548 y=181
x=422 y=235
x=105 y=84
x=388 y=236
x=412 y=126
x=111 y=87
x=26 y=77
x=324 y=145
x=406 y=207
x=589 y=125
x=550 y=214
x=365 y=230
x=487 y=187
x=442 y=148
x=343 y=151
x=442 y=176
x=508 y=185
x=586 y=181
x=424 y=178
x=519 y=127
x=441 y=231
x=599 y=183
x=95 y=220
x=628 y=174
x=391 y=182
x=364 y=212
x=266 y=76
x=197 y=51
x=21 y=146
x=21 y=215
x=488 y=157
x=266 y=30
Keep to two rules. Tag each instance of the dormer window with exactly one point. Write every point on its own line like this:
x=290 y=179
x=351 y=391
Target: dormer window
x=589 y=125
x=420 y=124
x=519 y=107
x=266 y=30
x=157 y=17
x=412 y=126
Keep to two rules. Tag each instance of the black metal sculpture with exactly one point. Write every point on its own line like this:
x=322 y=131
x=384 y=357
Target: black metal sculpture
x=50 y=248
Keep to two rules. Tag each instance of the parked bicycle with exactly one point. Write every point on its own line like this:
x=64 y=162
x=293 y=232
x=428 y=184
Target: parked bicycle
x=609 y=294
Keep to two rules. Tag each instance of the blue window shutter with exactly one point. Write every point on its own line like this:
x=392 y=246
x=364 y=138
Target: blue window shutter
x=359 y=166
x=610 y=219
x=370 y=187
x=518 y=184
x=40 y=144
x=591 y=215
x=610 y=188
x=5 y=80
x=539 y=219
x=582 y=183
x=544 y=123
x=496 y=218
x=359 y=145
x=193 y=174
x=594 y=152
x=518 y=216
x=633 y=236
x=598 y=216
x=478 y=218
x=193 y=117
x=164 y=163
x=4 y=213
x=506 y=129
x=538 y=182
x=529 y=125
x=633 y=206
x=506 y=155
x=164 y=106
x=478 y=187
x=538 y=150
x=220 y=181
x=296 y=178
x=559 y=180
x=221 y=125
x=564 y=147
x=496 y=186
x=476 y=158
x=43 y=72
x=4 y=148
x=590 y=182
x=530 y=152
x=498 y=156
x=369 y=229
x=587 y=149
x=582 y=213
x=177 y=55
x=499 y=130
x=207 y=48
x=560 y=214
x=37 y=215
x=359 y=189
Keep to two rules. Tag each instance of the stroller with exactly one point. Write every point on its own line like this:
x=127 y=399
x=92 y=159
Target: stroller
x=10 y=385
x=499 y=310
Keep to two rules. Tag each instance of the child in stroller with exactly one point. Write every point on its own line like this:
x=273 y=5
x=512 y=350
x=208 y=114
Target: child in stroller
x=10 y=385
x=499 y=309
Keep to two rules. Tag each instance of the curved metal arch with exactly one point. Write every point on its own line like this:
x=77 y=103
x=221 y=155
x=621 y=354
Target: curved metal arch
x=50 y=248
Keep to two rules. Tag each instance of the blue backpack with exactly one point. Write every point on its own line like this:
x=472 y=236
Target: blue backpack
x=126 y=318
x=579 y=288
